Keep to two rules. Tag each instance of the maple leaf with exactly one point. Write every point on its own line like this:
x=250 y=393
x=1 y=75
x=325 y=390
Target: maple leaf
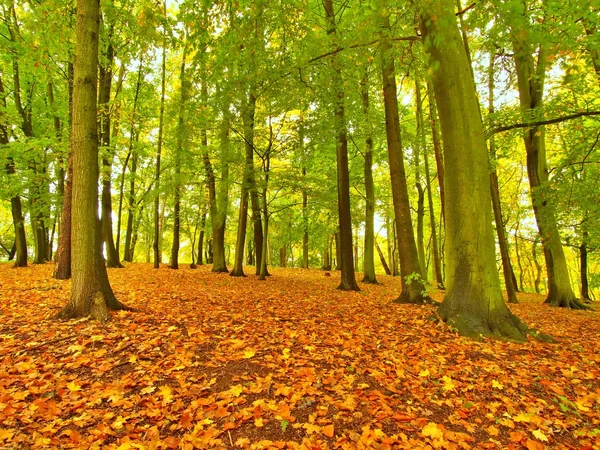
x=167 y=393
x=249 y=353
x=432 y=430
x=73 y=387
x=448 y=383
x=236 y=390
x=497 y=385
x=6 y=434
x=539 y=435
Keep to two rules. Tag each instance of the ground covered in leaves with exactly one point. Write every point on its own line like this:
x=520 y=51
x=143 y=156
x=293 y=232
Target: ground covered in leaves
x=215 y=361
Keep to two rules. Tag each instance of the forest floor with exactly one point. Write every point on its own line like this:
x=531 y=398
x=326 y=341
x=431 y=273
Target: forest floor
x=212 y=361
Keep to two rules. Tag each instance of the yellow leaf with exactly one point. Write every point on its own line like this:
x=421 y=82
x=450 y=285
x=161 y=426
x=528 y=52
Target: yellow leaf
x=6 y=434
x=73 y=386
x=236 y=390
x=424 y=373
x=148 y=390
x=259 y=422
x=497 y=385
x=492 y=430
x=540 y=435
x=249 y=354
x=432 y=430
x=522 y=417
x=285 y=353
x=167 y=393
x=448 y=383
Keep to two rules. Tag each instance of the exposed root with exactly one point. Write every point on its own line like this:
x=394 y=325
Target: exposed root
x=409 y=298
x=99 y=308
x=505 y=327
x=566 y=302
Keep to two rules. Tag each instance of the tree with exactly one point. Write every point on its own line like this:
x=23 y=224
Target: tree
x=413 y=288
x=473 y=303
x=91 y=294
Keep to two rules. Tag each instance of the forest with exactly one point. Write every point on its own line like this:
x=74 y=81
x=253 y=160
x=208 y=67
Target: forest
x=299 y=224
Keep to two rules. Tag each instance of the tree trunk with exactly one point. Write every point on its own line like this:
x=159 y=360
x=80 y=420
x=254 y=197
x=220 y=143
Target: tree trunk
x=91 y=292
x=62 y=259
x=336 y=238
x=382 y=259
x=437 y=148
x=304 y=221
x=348 y=280
x=583 y=267
x=128 y=256
x=530 y=77
x=161 y=120
x=326 y=255
x=369 y=250
x=511 y=289
x=105 y=82
x=473 y=303
x=201 y=240
x=247 y=186
x=178 y=152
x=437 y=269
x=413 y=288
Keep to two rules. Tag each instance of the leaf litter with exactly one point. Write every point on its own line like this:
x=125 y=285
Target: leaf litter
x=212 y=361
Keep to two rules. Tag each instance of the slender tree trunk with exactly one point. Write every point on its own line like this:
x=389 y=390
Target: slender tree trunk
x=91 y=292
x=583 y=267
x=530 y=77
x=128 y=256
x=418 y=149
x=201 y=239
x=511 y=289
x=437 y=148
x=473 y=303
x=369 y=250
x=15 y=201
x=538 y=267
x=413 y=288
x=265 y=217
x=326 y=255
x=247 y=186
x=161 y=120
x=348 y=280
x=178 y=152
x=518 y=253
x=338 y=256
x=382 y=259
x=437 y=268
x=62 y=259
x=105 y=82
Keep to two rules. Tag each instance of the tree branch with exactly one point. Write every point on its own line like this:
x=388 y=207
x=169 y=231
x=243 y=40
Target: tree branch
x=540 y=123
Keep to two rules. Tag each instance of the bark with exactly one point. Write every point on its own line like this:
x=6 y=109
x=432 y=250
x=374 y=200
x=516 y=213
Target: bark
x=15 y=201
x=326 y=255
x=248 y=185
x=437 y=268
x=282 y=257
x=519 y=263
x=128 y=255
x=530 y=78
x=131 y=155
x=201 y=240
x=583 y=268
x=473 y=303
x=348 y=280
x=437 y=148
x=413 y=288
x=62 y=258
x=338 y=257
x=383 y=261
x=511 y=289
x=105 y=83
x=266 y=166
x=91 y=292
x=161 y=120
x=178 y=152
x=369 y=250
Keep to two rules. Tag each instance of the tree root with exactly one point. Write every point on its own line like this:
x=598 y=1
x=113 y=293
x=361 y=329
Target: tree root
x=504 y=327
x=566 y=302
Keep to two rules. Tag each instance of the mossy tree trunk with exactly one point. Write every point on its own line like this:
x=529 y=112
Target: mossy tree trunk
x=530 y=78
x=413 y=287
x=473 y=303
x=91 y=292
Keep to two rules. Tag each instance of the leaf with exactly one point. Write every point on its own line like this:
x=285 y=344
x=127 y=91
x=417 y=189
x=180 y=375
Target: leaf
x=432 y=430
x=249 y=354
x=236 y=390
x=448 y=383
x=73 y=387
x=328 y=431
x=424 y=373
x=497 y=385
x=539 y=435
x=533 y=445
x=259 y=422
x=167 y=393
